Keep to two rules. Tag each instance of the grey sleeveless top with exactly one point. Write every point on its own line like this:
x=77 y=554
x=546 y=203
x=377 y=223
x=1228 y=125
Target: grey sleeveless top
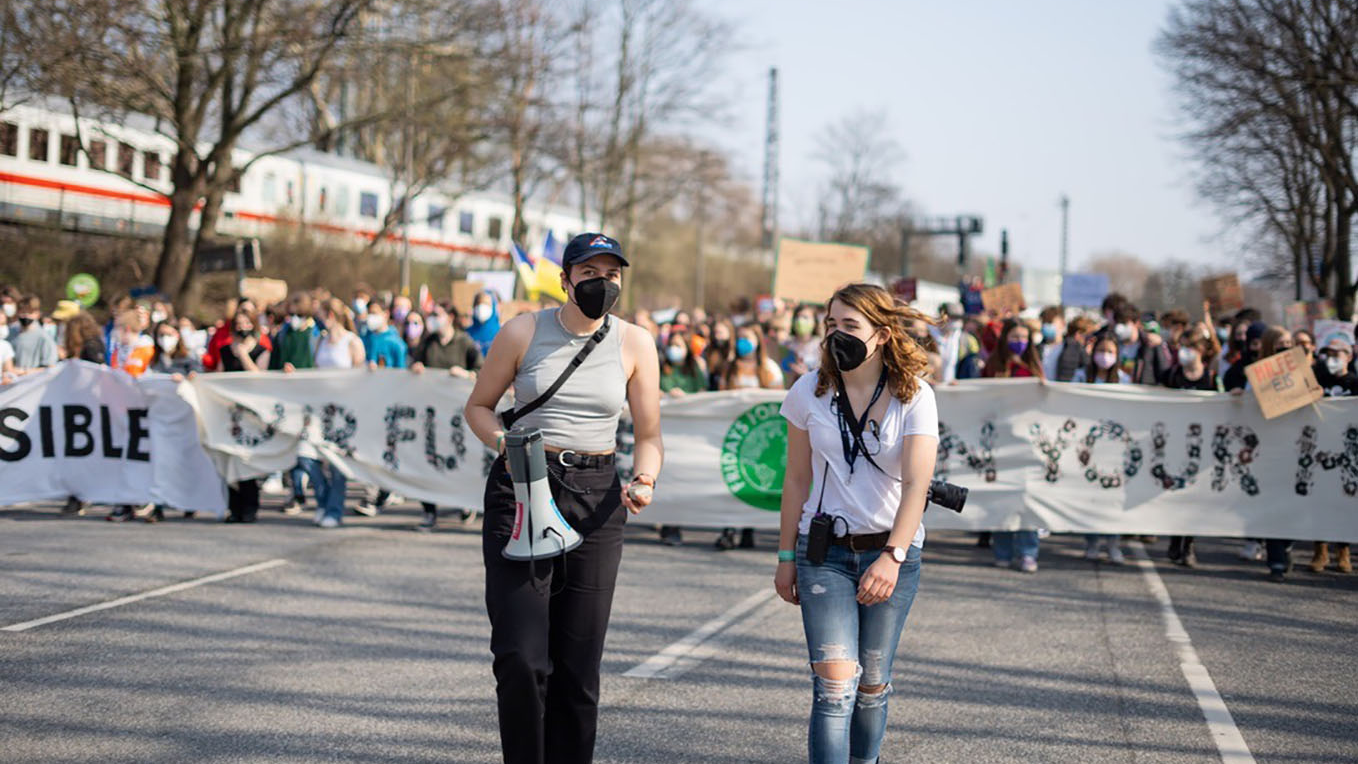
x=583 y=415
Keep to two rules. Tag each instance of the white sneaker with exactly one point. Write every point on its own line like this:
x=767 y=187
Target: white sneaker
x=1252 y=550
x=1115 y=555
x=1028 y=565
x=320 y=515
x=329 y=522
x=366 y=508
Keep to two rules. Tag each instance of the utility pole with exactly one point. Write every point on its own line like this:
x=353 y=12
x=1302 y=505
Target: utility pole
x=769 y=217
x=1065 y=233
x=409 y=162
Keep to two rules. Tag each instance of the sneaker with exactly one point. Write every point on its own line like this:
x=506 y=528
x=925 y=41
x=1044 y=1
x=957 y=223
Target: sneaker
x=1277 y=575
x=1189 y=560
x=292 y=506
x=468 y=516
x=120 y=514
x=670 y=535
x=1092 y=553
x=747 y=538
x=430 y=520
x=329 y=522
x=1028 y=564
x=157 y=514
x=727 y=540
x=73 y=506
x=366 y=508
x=319 y=516
x=143 y=511
x=1252 y=550
x=1115 y=555
x=189 y=514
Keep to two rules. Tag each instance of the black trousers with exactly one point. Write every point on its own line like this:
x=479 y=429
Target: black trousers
x=243 y=499
x=548 y=617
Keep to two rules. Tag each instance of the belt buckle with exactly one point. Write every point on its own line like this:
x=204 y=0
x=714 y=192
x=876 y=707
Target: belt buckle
x=561 y=458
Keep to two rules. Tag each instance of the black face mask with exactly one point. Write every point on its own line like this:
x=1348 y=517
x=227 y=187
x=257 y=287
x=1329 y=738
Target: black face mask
x=244 y=333
x=596 y=297
x=848 y=351
x=25 y=320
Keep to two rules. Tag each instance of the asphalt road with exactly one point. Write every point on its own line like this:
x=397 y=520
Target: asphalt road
x=370 y=645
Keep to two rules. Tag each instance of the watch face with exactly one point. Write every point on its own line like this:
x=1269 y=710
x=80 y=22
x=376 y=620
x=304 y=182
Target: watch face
x=898 y=554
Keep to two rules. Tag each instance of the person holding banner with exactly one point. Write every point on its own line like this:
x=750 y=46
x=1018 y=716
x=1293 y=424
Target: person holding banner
x=849 y=552
x=572 y=369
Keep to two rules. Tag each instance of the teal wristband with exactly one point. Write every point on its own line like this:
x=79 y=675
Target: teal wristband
x=785 y=555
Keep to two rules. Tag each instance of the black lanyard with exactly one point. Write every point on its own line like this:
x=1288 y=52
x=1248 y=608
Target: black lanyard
x=850 y=437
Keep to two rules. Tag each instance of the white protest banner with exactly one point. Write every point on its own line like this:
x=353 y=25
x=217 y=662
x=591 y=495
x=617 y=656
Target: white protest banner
x=85 y=430
x=499 y=282
x=1079 y=458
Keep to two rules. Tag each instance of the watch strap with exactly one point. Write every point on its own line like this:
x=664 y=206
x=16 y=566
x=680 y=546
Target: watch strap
x=898 y=554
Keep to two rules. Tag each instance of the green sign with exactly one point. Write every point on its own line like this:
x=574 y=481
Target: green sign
x=83 y=288
x=754 y=457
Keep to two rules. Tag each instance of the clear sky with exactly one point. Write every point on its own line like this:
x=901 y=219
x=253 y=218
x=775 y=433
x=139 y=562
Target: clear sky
x=1000 y=108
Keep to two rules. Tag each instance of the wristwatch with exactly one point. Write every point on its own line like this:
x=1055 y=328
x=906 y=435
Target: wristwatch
x=897 y=553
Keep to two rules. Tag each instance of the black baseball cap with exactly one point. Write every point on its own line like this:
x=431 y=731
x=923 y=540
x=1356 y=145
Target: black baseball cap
x=587 y=245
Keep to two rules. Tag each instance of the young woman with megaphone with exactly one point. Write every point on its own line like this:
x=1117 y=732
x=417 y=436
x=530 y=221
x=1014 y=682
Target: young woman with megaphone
x=863 y=432
x=572 y=369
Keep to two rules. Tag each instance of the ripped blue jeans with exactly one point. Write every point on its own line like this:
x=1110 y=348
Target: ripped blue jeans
x=847 y=724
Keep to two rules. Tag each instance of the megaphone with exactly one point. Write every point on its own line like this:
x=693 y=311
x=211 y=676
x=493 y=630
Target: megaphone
x=539 y=529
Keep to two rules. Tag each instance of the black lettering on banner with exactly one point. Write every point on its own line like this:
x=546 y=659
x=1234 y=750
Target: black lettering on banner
x=397 y=434
x=1346 y=461
x=341 y=436
x=110 y=449
x=76 y=421
x=1191 y=467
x=250 y=440
x=22 y=443
x=431 y=450
x=1234 y=465
x=137 y=433
x=49 y=446
x=983 y=462
x=1052 y=448
x=1131 y=454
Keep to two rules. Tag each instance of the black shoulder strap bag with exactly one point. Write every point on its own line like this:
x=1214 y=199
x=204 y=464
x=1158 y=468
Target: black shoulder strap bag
x=509 y=416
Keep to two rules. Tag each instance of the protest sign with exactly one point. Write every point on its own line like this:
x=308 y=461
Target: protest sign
x=1327 y=330
x=1084 y=290
x=499 y=282
x=1003 y=299
x=1284 y=382
x=1224 y=293
x=264 y=292
x=809 y=271
x=905 y=289
x=464 y=294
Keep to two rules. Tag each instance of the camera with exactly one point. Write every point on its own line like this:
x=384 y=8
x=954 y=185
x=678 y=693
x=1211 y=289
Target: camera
x=947 y=495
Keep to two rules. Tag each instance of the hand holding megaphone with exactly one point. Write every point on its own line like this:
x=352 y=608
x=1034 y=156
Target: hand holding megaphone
x=638 y=493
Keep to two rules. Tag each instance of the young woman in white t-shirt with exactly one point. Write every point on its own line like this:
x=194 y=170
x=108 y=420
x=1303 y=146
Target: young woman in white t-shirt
x=855 y=602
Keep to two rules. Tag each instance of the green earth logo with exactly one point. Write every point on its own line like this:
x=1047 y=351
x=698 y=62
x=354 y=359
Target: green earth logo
x=754 y=457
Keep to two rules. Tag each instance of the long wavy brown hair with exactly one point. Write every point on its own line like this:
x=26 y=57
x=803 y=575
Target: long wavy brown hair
x=903 y=358
x=79 y=330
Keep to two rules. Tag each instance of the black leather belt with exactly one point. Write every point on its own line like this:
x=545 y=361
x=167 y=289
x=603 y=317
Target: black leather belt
x=570 y=458
x=863 y=542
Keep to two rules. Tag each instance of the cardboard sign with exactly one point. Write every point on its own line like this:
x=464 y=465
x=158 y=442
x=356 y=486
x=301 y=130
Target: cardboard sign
x=499 y=282
x=1283 y=382
x=264 y=292
x=1005 y=298
x=809 y=271
x=1303 y=315
x=1224 y=293
x=1084 y=290
x=1328 y=329
x=464 y=293
x=905 y=289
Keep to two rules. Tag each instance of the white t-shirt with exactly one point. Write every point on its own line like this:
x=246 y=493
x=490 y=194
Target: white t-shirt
x=6 y=352
x=867 y=499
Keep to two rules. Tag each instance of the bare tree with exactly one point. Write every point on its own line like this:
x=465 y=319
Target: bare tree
x=1271 y=89
x=860 y=159
x=1127 y=273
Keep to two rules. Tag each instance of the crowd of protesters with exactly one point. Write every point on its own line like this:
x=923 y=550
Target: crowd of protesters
x=764 y=343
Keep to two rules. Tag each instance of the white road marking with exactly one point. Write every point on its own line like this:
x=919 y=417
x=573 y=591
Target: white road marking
x=1230 y=743
x=162 y=591
x=693 y=649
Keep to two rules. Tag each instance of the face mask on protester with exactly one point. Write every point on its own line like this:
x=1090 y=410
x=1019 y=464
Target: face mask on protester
x=1223 y=333
x=414 y=330
x=375 y=323
x=10 y=309
x=297 y=323
x=25 y=321
x=1017 y=346
x=848 y=351
x=433 y=324
x=744 y=347
x=1048 y=332
x=399 y=313
x=157 y=316
x=360 y=306
x=1123 y=332
x=595 y=297
x=244 y=333
x=168 y=342
x=1105 y=360
x=803 y=326
x=1336 y=365
x=1187 y=356
x=675 y=354
x=483 y=312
